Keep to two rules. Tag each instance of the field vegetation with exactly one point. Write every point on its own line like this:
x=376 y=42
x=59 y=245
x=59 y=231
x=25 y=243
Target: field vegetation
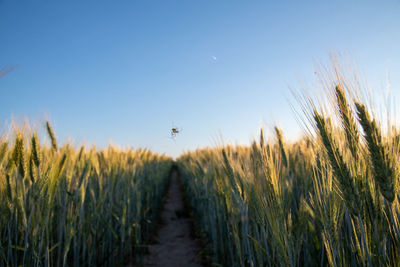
x=328 y=199
x=62 y=206
x=331 y=198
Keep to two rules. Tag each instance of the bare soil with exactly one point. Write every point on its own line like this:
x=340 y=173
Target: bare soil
x=174 y=243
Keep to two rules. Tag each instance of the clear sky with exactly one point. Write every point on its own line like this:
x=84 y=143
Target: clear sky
x=127 y=70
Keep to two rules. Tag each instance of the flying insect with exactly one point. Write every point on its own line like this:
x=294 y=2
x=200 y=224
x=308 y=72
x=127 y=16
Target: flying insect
x=174 y=131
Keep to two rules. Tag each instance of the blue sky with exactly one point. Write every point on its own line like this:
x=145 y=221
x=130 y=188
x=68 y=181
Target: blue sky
x=127 y=70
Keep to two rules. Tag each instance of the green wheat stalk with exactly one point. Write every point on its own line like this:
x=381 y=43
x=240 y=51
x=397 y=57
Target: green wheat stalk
x=384 y=174
x=348 y=122
x=35 y=150
x=18 y=156
x=281 y=145
x=340 y=169
x=52 y=136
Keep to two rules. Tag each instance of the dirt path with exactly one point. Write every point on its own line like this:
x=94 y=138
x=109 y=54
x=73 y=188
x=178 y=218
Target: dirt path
x=174 y=244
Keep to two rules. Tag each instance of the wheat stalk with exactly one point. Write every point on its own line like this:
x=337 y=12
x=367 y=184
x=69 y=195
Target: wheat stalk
x=281 y=146
x=348 y=122
x=52 y=136
x=383 y=172
x=340 y=169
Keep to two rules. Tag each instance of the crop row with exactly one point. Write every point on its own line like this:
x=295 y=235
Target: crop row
x=76 y=207
x=328 y=199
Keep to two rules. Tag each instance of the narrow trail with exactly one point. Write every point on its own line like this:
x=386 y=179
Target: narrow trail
x=174 y=243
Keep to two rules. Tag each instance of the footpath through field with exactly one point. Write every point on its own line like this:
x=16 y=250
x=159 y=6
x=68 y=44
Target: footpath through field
x=174 y=243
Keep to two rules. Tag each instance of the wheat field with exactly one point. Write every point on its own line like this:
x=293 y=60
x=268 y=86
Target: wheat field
x=328 y=199
x=62 y=206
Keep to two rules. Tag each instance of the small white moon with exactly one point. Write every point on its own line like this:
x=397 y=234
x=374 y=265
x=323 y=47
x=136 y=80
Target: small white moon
x=214 y=58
